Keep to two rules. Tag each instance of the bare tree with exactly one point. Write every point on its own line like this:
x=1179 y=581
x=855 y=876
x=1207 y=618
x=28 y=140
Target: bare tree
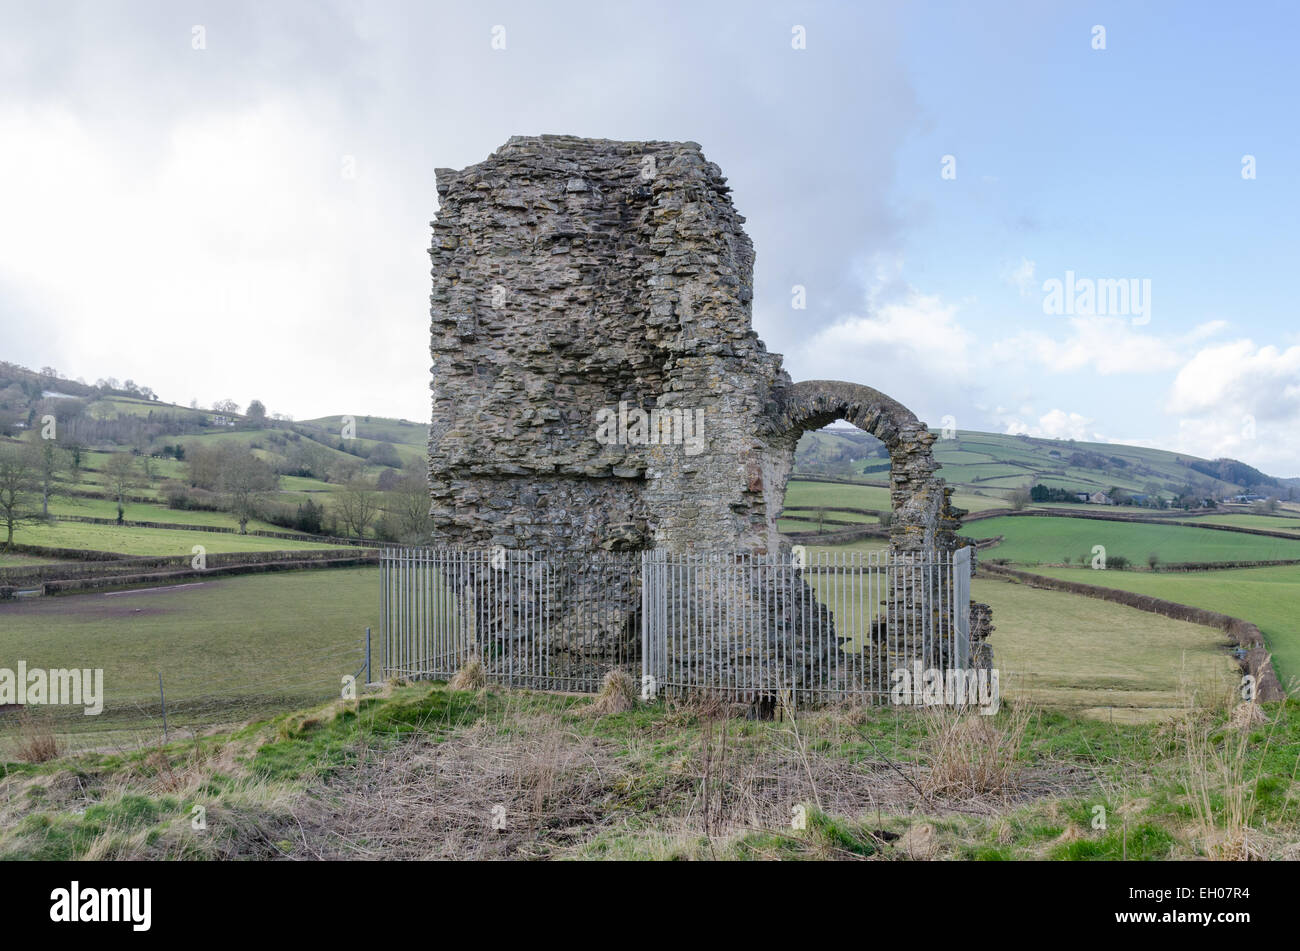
x=119 y=471
x=1020 y=498
x=47 y=462
x=17 y=491
x=357 y=505
x=407 y=504
x=246 y=481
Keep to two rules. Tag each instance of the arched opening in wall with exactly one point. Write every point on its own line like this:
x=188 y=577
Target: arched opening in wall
x=838 y=491
x=872 y=534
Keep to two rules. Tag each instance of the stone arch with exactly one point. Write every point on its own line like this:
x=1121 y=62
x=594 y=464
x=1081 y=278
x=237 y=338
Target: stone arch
x=923 y=516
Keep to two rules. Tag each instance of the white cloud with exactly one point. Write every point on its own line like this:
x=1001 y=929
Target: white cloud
x=917 y=332
x=1239 y=377
x=1055 y=424
x=1240 y=400
x=1108 y=345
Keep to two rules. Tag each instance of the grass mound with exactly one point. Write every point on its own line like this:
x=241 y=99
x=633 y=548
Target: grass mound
x=473 y=676
x=618 y=694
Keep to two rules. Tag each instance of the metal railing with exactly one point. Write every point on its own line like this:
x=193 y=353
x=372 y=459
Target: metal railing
x=553 y=621
x=754 y=628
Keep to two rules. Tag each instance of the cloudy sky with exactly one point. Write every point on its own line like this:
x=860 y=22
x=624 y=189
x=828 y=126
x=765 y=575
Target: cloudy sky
x=233 y=200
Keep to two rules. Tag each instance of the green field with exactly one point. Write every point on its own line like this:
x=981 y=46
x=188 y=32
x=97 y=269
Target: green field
x=1267 y=597
x=128 y=540
x=1037 y=540
x=228 y=649
x=1077 y=654
x=1100 y=659
x=145 y=512
x=1272 y=523
x=876 y=498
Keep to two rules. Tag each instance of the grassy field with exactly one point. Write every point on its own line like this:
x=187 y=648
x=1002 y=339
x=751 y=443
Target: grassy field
x=1039 y=540
x=1267 y=597
x=127 y=540
x=144 y=512
x=1098 y=659
x=228 y=649
x=1273 y=523
x=805 y=492
x=1077 y=654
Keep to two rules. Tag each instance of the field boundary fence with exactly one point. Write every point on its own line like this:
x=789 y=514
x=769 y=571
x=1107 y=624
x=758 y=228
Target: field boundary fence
x=805 y=628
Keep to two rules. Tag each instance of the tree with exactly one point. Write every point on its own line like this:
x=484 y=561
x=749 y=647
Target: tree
x=204 y=465
x=407 y=505
x=343 y=472
x=226 y=407
x=75 y=449
x=308 y=518
x=1019 y=499
x=385 y=454
x=17 y=491
x=245 y=482
x=119 y=471
x=256 y=412
x=357 y=506
x=47 y=465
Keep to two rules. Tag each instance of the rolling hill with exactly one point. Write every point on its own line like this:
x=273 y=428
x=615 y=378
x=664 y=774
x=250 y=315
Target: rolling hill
x=994 y=464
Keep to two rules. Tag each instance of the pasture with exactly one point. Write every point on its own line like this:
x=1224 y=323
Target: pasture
x=1267 y=597
x=228 y=649
x=1036 y=540
x=1098 y=659
x=843 y=495
x=128 y=540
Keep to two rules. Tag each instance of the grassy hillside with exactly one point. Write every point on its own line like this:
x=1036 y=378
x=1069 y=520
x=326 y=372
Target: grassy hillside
x=999 y=463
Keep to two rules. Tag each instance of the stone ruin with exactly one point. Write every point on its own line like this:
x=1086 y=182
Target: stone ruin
x=597 y=383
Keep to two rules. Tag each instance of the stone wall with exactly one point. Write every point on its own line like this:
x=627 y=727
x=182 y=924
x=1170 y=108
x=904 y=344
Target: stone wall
x=580 y=283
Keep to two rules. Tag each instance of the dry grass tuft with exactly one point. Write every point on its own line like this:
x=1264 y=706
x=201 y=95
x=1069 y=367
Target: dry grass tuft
x=618 y=694
x=36 y=740
x=1221 y=794
x=919 y=842
x=1247 y=715
x=969 y=755
x=473 y=676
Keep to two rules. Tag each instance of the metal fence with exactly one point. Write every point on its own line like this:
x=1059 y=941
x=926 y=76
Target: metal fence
x=755 y=628
x=553 y=621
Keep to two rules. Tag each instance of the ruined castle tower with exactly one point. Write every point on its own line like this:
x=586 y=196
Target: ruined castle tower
x=597 y=383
